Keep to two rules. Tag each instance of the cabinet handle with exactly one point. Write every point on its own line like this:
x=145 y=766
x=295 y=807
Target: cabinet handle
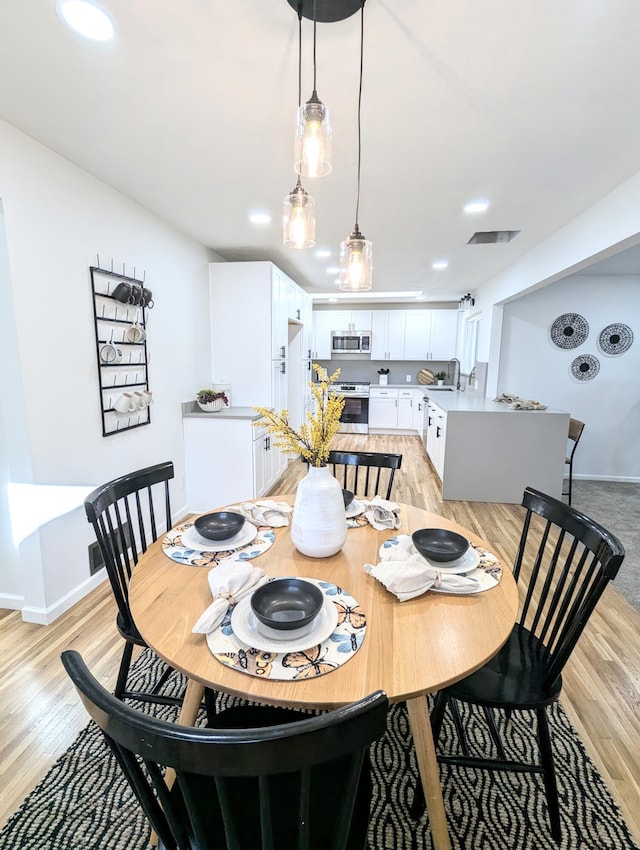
x=283 y=351
x=283 y=368
x=428 y=420
x=266 y=444
x=298 y=315
x=437 y=430
x=309 y=355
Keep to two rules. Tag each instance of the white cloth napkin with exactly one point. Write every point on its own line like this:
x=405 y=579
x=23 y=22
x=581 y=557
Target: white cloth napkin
x=230 y=582
x=404 y=572
x=381 y=514
x=268 y=512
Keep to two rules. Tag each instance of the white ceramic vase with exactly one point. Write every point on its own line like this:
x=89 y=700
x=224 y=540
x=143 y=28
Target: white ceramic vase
x=318 y=525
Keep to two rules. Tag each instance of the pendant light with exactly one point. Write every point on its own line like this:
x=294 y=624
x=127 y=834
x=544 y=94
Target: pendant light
x=356 y=252
x=313 y=128
x=298 y=212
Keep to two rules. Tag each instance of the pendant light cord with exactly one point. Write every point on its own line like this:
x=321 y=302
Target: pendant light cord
x=314 y=46
x=300 y=56
x=357 y=228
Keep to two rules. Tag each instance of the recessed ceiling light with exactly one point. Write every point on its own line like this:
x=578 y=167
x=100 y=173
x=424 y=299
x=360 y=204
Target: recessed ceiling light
x=440 y=264
x=333 y=300
x=259 y=218
x=476 y=206
x=88 y=19
x=323 y=252
x=333 y=270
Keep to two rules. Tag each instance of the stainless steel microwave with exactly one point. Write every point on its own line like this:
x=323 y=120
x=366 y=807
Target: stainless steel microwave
x=351 y=342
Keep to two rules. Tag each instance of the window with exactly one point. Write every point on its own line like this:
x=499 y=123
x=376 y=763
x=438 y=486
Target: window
x=470 y=345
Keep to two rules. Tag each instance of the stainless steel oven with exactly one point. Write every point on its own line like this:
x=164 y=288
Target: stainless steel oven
x=355 y=416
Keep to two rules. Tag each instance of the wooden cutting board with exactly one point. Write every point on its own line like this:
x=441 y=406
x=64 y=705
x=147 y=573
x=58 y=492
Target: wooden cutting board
x=425 y=376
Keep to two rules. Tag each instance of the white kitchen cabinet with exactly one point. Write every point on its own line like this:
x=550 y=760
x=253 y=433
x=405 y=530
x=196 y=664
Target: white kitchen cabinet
x=436 y=437
x=307 y=327
x=383 y=408
x=323 y=324
x=387 y=334
x=405 y=410
x=351 y=320
x=430 y=334
x=418 y=411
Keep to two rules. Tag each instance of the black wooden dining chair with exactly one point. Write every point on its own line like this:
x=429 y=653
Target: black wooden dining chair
x=365 y=473
x=571 y=559
x=127 y=515
x=303 y=784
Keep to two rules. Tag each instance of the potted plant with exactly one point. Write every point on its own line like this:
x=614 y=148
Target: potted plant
x=440 y=376
x=211 y=401
x=383 y=379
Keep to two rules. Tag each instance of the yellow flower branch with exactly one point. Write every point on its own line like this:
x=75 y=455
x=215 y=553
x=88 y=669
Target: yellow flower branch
x=313 y=440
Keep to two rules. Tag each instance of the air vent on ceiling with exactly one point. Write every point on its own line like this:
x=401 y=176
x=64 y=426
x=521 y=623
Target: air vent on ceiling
x=492 y=237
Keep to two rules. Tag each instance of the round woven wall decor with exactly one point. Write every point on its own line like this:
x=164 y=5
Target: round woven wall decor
x=585 y=367
x=569 y=330
x=615 y=339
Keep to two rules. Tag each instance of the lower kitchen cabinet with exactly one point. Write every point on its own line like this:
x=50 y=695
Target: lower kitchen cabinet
x=392 y=409
x=228 y=459
x=383 y=408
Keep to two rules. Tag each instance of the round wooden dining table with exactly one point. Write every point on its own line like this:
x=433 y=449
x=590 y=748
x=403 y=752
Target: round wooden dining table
x=410 y=649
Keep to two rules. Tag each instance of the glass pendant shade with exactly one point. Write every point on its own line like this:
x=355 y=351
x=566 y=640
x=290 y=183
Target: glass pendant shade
x=356 y=263
x=298 y=219
x=313 y=139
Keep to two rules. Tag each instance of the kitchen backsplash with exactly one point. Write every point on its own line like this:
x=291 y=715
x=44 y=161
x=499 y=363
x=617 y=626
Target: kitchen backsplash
x=367 y=370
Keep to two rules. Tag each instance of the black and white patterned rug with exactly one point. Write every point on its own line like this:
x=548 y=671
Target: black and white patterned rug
x=83 y=803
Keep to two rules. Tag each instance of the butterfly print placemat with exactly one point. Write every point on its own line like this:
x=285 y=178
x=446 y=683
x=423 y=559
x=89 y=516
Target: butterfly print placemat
x=317 y=660
x=173 y=548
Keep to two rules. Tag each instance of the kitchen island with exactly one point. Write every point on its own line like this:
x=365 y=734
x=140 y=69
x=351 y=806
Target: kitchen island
x=484 y=452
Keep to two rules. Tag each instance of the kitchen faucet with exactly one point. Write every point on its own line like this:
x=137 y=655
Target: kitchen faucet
x=455 y=360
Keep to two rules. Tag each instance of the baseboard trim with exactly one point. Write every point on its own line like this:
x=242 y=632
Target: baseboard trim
x=11 y=601
x=620 y=479
x=46 y=616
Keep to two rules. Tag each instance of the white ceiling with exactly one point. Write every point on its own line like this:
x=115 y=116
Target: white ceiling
x=190 y=110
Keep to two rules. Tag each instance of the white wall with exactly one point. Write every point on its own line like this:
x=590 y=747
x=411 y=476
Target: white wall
x=57 y=218
x=531 y=366
x=605 y=228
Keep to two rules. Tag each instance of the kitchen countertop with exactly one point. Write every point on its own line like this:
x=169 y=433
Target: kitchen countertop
x=190 y=410
x=469 y=402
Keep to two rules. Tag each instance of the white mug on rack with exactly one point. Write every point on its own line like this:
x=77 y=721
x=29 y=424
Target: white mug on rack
x=148 y=397
x=139 y=399
x=125 y=403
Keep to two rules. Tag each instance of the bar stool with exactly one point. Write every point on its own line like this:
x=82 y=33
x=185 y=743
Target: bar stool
x=575 y=432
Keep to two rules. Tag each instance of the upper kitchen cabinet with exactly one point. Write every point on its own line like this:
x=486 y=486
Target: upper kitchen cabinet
x=249 y=330
x=387 y=335
x=351 y=320
x=430 y=334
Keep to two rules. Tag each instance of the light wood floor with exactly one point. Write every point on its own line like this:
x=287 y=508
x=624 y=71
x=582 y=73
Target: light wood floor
x=40 y=715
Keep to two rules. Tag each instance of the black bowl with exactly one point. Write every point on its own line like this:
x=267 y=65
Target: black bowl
x=287 y=603
x=219 y=526
x=347 y=495
x=439 y=544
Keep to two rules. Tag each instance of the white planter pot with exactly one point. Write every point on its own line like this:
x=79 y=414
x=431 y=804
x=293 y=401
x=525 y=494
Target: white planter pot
x=318 y=525
x=212 y=406
x=383 y=379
